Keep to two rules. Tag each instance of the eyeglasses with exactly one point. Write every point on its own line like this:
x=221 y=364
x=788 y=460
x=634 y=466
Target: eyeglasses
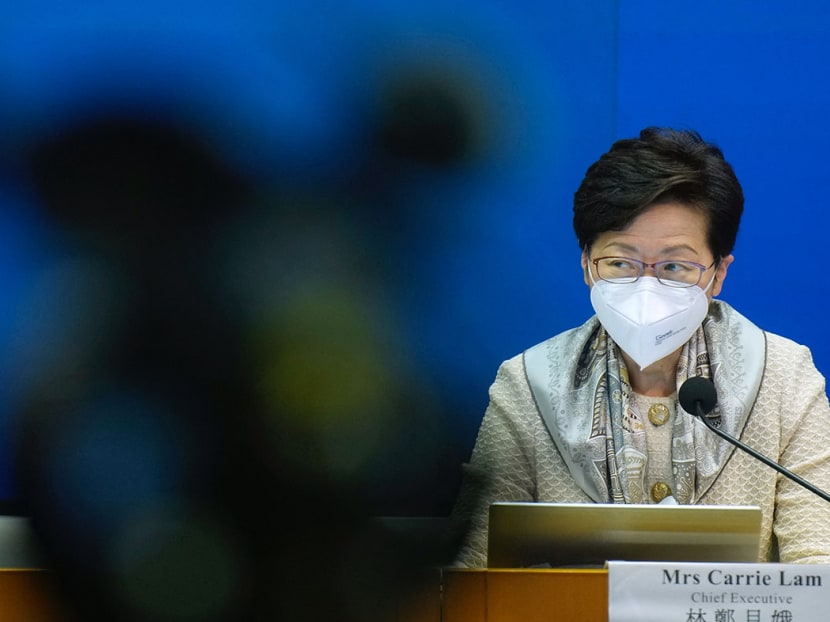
x=672 y=273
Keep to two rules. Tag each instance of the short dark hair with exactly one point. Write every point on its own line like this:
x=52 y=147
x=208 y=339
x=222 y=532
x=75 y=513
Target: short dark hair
x=659 y=166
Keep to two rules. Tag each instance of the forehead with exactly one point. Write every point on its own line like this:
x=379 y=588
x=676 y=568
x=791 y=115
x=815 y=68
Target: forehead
x=664 y=229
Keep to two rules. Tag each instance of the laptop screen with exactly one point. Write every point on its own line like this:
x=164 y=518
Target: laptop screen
x=523 y=535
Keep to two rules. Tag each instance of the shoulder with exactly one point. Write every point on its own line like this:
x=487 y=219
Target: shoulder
x=569 y=338
x=784 y=363
x=792 y=387
x=566 y=342
x=782 y=350
x=789 y=360
x=551 y=358
x=510 y=373
x=561 y=353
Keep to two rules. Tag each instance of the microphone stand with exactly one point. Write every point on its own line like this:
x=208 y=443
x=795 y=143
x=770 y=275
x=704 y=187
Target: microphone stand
x=783 y=470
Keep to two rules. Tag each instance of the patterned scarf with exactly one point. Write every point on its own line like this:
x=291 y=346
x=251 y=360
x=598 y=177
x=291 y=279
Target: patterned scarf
x=581 y=386
x=618 y=425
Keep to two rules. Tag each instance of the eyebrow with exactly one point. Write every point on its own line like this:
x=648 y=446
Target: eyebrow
x=664 y=251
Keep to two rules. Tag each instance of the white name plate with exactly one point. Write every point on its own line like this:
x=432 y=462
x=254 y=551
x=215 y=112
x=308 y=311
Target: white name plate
x=709 y=592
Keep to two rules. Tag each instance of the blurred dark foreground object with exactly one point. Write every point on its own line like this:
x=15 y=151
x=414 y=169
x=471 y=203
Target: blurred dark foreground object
x=190 y=447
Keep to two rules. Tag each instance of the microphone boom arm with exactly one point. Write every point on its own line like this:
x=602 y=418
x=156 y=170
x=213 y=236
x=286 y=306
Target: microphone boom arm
x=784 y=471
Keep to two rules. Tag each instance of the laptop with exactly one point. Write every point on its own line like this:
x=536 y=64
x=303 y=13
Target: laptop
x=526 y=535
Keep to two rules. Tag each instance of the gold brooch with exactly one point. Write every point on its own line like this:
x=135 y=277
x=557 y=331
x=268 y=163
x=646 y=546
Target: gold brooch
x=660 y=491
x=658 y=414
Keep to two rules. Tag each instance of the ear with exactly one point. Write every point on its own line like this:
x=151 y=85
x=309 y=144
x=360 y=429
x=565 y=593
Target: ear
x=720 y=274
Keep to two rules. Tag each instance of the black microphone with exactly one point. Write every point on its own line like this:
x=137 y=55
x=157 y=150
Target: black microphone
x=698 y=396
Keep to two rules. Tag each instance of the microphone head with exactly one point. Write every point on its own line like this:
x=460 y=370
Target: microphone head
x=697 y=390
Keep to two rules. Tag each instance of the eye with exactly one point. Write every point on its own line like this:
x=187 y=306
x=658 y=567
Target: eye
x=616 y=268
x=620 y=263
x=677 y=267
x=677 y=272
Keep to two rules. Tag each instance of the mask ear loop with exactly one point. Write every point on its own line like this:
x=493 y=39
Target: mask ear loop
x=714 y=275
x=590 y=272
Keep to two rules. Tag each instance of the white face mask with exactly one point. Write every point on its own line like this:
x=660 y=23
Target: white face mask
x=646 y=319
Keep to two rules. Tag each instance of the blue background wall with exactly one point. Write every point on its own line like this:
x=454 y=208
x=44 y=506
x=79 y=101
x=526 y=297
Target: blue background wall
x=484 y=263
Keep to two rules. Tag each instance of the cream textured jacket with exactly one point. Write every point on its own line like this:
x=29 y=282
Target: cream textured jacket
x=516 y=459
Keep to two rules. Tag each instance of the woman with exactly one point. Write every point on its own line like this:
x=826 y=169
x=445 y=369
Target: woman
x=591 y=415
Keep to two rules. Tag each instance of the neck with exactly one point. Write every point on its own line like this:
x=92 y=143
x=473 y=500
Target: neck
x=658 y=379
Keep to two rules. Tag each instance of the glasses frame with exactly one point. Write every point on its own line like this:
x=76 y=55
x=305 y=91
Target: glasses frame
x=643 y=265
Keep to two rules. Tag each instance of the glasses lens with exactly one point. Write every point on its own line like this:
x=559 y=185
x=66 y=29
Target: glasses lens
x=618 y=269
x=678 y=273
